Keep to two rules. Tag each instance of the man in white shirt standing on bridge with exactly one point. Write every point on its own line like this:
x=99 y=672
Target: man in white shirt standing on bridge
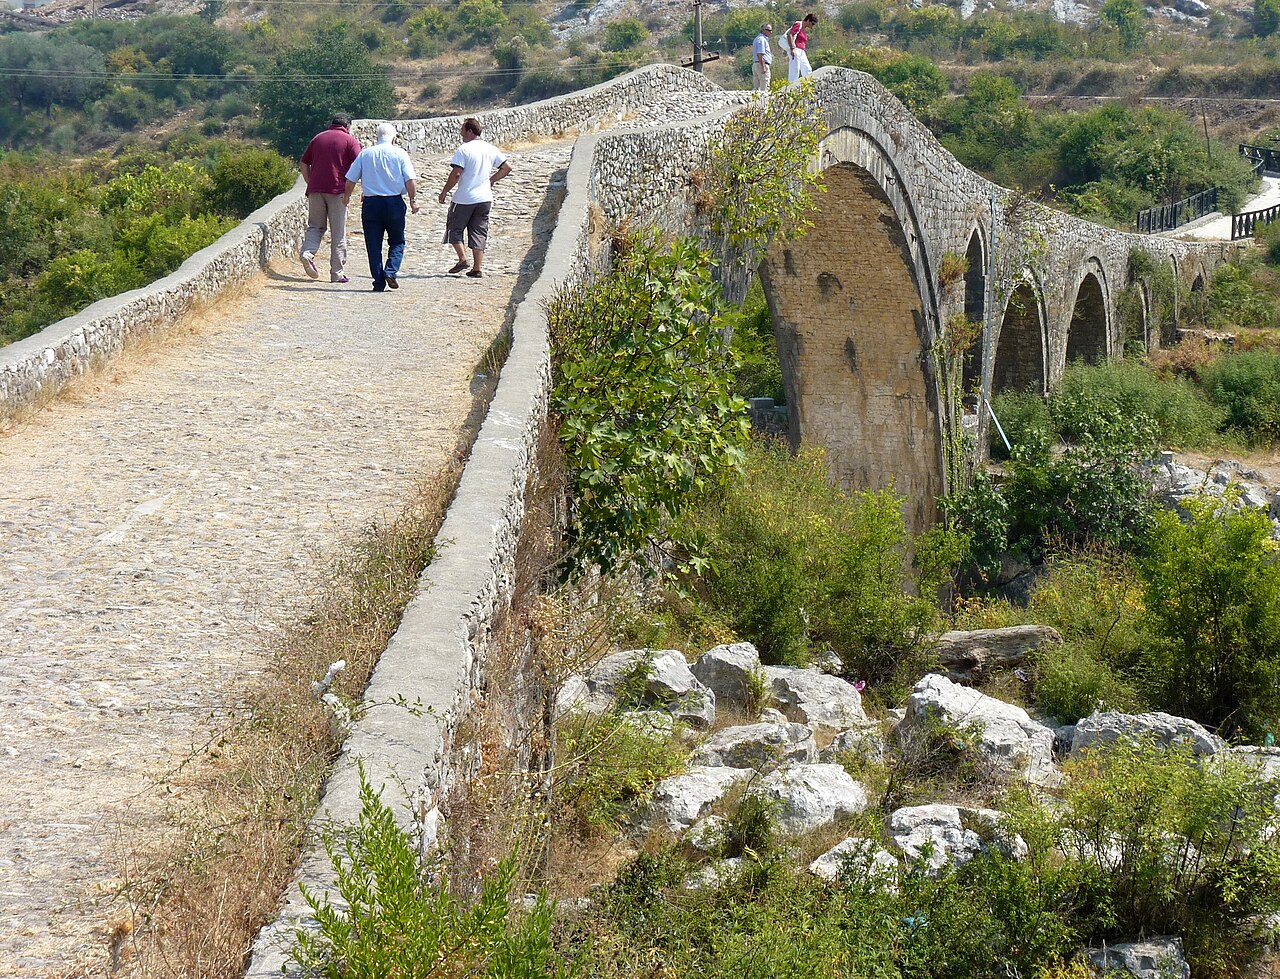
x=387 y=174
x=477 y=166
x=761 y=59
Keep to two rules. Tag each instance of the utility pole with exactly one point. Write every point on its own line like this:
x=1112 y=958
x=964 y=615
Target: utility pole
x=699 y=59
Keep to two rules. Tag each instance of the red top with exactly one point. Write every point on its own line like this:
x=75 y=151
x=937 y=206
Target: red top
x=330 y=156
x=799 y=37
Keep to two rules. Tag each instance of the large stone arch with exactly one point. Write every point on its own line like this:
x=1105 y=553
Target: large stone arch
x=1020 y=347
x=1089 y=331
x=855 y=324
x=975 y=308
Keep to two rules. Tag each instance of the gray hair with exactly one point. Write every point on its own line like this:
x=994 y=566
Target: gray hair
x=386 y=132
x=766 y=27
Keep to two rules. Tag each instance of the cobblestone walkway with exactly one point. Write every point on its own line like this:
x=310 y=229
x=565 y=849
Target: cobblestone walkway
x=154 y=521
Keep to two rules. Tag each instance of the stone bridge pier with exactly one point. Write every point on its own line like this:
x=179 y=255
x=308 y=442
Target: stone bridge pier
x=862 y=301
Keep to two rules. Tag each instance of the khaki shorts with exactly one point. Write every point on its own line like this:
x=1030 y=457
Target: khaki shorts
x=471 y=218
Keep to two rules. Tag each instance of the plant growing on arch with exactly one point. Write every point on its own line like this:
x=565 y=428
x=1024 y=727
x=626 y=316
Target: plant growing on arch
x=759 y=178
x=642 y=386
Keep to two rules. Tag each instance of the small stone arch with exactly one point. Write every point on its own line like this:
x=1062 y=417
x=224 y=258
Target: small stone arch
x=1019 y=362
x=975 y=308
x=1088 y=331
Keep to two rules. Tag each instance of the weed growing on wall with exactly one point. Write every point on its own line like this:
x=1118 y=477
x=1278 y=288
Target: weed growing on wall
x=760 y=177
x=642 y=388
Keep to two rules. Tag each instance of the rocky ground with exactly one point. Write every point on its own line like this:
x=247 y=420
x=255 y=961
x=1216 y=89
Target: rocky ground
x=797 y=751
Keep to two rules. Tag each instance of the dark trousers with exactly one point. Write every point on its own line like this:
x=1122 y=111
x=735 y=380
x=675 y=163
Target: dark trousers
x=383 y=216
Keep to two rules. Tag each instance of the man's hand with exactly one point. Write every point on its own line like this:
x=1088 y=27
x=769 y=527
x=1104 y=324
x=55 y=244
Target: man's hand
x=413 y=206
x=441 y=197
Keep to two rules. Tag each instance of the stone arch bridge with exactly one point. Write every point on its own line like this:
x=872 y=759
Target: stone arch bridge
x=860 y=302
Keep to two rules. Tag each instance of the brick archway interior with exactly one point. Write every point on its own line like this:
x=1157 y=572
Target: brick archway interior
x=1087 y=334
x=852 y=338
x=975 y=307
x=1019 y=362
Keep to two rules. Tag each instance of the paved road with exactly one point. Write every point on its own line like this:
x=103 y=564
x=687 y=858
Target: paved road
x=1217 y=227
x=155 y=520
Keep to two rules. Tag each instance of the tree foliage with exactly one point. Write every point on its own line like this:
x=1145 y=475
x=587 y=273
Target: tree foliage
x=759 y=179
x=310 y=82
x=642 y=389
x=1212 y=588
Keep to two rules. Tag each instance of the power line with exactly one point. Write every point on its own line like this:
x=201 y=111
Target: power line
x=401 y=73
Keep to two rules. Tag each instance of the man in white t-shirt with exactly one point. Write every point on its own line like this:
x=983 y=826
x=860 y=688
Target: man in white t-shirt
x=477 y=166
x=761 y=59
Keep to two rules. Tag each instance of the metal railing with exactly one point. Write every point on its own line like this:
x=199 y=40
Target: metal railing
x=1170 y=216
x=1242 y=225
x=1264 y=159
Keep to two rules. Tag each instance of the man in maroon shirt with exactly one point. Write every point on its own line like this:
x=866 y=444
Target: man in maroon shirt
x=324 y=167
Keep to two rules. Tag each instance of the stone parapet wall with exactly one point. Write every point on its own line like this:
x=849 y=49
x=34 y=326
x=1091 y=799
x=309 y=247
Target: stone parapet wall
x=574 y=114
x=39 y=366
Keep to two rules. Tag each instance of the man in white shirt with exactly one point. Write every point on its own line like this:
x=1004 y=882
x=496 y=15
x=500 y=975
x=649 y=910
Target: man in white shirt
x=761 y=59
x=386 y=173
x=477 y=166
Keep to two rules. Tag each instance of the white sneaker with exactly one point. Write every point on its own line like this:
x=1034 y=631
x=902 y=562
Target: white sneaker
x=309 y=263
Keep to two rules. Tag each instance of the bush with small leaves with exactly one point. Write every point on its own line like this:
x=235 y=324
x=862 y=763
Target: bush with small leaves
x=393 y=919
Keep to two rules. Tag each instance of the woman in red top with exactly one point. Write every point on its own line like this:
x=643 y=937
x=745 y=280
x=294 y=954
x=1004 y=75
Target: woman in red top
x=797 y=37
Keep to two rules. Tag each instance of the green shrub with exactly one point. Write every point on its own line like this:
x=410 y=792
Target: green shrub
x=981 y=512
x=1020 y=414
x=159 y=245
x=1180 y=413
x=789 y=561
x=1267 y=235
x=71 y=282
x=1247 y=387
x=1212 y=592
x=1093 y=490
x=759 y=374
x=394 y=920
x=1072 y=682
x=1172 y=846
x=609 y=763
x=1236 y=299
x=624 y=34
x=245 y=178
x=642 y=391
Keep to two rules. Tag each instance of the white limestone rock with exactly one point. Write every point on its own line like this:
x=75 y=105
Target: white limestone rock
x=824 y=703
x=1007 y=736
x=681 y=800
x=811 y=796
x=708 y=835
x=865 y=743
x=970 y=655
x=771 y=715
x=715 y=875
x=759 y=746
x=950 y=835
x=1160 y=957
x=726 y=671
x=1104 y=728
x=668 y=685
x=860 y=857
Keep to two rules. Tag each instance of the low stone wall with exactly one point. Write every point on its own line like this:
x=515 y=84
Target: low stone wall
x=41 y=365
x=574 y=114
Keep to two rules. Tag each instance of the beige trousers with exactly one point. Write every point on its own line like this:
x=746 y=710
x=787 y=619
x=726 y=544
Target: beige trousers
x=759 y=76
x=327 y=209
